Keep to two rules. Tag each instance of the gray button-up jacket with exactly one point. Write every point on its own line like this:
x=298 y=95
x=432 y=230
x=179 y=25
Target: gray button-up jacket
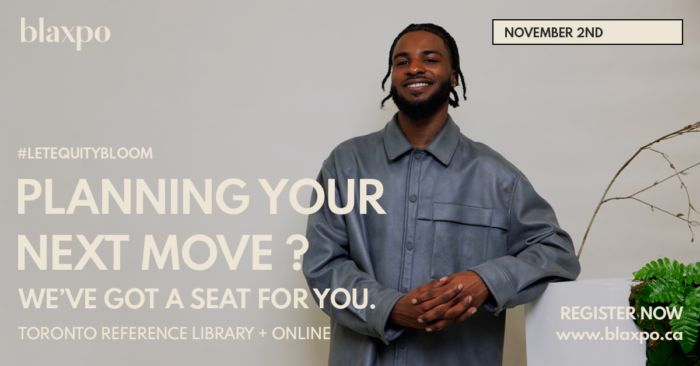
x=452 y=206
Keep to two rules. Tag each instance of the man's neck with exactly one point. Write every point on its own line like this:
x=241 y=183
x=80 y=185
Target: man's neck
x=421 y=132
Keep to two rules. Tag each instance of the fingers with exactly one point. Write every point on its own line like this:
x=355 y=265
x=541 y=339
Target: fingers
x=441 y=324
x=465 y=315
x=428 y=286
x=438 y=325
x=440 y=282
x=434 y=283
x=448 y=296
x=434 y=314
x=459 y=308
x=440 y=294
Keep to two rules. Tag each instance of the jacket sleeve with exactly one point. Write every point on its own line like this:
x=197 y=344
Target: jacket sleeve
x=538 y=252
x=328 y=265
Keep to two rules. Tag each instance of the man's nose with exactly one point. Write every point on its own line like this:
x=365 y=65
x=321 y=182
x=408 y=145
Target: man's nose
x=416 y=68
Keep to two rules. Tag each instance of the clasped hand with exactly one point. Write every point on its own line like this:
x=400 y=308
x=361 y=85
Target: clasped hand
x=441 y=303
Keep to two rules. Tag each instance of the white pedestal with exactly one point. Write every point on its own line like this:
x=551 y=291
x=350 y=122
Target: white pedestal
x=543 y=319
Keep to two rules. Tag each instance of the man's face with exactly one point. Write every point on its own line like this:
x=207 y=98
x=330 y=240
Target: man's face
x=422 y=75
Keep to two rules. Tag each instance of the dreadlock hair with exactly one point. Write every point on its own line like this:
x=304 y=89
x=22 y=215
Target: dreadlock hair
x=454 y=56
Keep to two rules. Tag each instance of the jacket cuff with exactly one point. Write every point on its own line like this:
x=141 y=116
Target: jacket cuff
x=498 y=282
x=384 y=302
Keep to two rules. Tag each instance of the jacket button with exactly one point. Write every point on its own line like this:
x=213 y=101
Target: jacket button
x=413 y=198
x=418 y=156
x=409 y=246
x=402 y=344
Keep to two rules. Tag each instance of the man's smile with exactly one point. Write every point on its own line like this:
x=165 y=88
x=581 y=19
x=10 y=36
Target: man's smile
x=417 y=85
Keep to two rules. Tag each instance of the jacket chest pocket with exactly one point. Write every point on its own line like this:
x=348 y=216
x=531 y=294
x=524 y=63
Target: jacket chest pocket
x=465 y=237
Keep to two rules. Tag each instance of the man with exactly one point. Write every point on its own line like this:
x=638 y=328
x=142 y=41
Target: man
x=463 y=231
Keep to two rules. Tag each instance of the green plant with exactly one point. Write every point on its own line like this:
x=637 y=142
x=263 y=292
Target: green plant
x=670 y=285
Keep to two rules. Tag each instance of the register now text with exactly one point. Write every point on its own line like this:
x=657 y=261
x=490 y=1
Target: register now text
x=618 y=312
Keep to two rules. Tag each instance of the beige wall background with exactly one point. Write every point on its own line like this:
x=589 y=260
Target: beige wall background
x=255 y=90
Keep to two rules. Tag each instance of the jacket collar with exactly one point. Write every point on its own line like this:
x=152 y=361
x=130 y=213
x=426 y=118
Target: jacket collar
x=442 y=147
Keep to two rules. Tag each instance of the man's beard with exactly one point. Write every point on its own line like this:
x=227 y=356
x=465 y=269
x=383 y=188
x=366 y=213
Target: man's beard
x=418 y=110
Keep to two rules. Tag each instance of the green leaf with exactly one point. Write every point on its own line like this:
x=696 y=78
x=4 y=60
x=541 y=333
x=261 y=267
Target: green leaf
x=692 y=296
x=691 y=206
x=688 y=324
x=663 y=268
x=692 y=273
x=681 y=272
x=662 y=290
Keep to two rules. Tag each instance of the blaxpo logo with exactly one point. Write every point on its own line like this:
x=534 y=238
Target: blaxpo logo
x=82 y=34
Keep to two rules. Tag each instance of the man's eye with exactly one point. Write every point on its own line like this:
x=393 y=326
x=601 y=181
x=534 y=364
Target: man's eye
x=401 y=63
x=431 y=60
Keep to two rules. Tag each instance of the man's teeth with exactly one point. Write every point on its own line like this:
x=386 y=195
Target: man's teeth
x=417 y=85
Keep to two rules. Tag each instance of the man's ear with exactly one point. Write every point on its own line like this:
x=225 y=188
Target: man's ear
x=453 y=78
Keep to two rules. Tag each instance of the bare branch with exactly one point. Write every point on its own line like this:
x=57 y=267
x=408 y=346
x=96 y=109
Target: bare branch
x=663 y=180
x=692 y=239
x=660 y=209
x=650 y=205
x=687 y=129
